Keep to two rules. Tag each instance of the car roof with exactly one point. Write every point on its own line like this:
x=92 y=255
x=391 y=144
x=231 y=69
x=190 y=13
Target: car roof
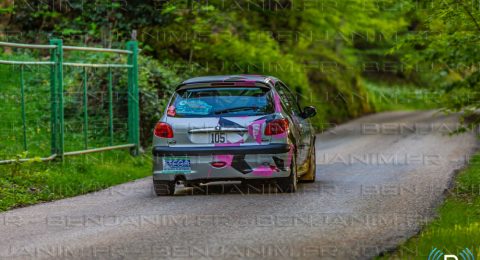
x=268 y=80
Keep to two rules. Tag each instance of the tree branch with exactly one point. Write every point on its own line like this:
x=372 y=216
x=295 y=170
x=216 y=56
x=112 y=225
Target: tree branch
x=469 y=14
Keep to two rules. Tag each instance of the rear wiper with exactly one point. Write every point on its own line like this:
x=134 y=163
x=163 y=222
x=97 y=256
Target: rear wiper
x=233 y=109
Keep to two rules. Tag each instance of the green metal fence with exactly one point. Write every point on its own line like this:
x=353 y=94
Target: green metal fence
x=56 y=66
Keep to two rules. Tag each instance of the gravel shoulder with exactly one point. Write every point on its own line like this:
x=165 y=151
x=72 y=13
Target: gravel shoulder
x=379 y=178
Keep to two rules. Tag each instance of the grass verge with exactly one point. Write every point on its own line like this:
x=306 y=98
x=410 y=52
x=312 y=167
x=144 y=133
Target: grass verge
x=457 y=226
x=30 y=183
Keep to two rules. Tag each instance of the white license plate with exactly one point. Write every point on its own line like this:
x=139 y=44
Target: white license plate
x=217 y=137
x=176 y=165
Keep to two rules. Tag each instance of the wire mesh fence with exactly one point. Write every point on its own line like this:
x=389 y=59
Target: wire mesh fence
x=53 y=108
x=25 y=110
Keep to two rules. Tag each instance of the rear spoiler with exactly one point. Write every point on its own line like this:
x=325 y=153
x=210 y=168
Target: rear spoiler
x=224 y=84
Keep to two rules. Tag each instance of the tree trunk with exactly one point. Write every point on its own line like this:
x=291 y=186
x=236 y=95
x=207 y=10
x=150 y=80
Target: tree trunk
x=5 y=17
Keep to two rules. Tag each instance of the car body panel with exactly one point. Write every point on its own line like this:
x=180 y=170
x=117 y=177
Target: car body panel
x=238 y=166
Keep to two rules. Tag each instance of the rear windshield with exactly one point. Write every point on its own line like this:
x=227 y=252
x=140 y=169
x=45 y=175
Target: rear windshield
x=213 y=102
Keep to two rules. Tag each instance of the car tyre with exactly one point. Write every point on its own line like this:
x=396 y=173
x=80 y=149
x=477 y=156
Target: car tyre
x=164 y=188
x=309 y=177
x=289 y=184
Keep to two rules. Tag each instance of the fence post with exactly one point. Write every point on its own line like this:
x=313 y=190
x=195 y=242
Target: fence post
x=24 y=117
x=133 y=98
x=53 y=100
x=56 y=78
x=110 y=107
x=85 y=109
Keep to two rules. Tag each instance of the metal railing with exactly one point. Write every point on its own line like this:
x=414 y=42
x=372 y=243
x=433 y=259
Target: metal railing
x=57 y=117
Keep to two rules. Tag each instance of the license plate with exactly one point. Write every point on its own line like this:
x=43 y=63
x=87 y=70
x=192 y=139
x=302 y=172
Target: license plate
x=176 y=165
x=218 y=137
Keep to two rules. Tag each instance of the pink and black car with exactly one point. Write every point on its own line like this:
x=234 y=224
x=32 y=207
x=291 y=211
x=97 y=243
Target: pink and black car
x=233 y=128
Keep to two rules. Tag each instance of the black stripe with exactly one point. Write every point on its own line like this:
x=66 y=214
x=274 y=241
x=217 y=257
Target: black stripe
x=245 y=149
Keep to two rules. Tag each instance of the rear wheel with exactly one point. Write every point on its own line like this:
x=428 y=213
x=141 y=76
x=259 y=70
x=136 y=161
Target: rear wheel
x=164 y=188
x=312 y=169
x=289 y=184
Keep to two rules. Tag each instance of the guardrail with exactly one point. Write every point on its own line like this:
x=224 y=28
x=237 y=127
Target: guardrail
x=57 y=117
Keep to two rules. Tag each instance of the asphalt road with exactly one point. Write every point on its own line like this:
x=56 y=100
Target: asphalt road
x=378 y=179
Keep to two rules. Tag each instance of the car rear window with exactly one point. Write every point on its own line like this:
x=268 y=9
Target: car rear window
x=224 y=101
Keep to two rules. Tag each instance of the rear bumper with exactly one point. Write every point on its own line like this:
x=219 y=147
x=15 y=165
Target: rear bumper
x=216 y=150
x=242 y=162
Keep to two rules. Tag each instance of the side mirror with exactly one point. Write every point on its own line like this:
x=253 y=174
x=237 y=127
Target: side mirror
x=309 y=111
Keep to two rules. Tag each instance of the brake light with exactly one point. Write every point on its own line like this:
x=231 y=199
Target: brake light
x=222 y=84
x=163 y=130
x=276 y=127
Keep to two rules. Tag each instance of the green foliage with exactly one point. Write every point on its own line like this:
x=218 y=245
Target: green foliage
x=279 y=40
x=319 y=49
x=157 y=81
x=97 y=21
x=443 y=40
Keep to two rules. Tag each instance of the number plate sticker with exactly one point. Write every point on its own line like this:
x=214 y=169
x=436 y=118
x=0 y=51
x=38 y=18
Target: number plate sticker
x=176 y=165
x=218 y=137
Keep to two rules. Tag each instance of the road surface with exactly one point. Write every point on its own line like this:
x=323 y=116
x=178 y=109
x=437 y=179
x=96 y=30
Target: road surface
x=378 y=179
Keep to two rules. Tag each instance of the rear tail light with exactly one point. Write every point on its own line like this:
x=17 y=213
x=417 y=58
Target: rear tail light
x=276 y=127
x=163 y=130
